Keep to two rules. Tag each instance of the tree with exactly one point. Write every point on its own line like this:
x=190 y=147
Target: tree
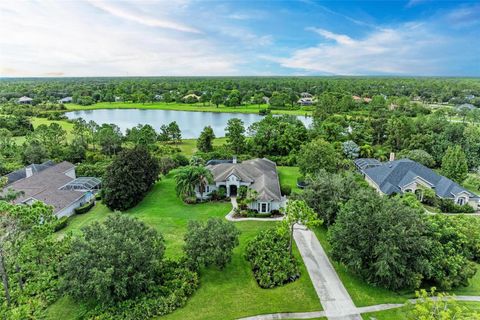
x=109 y=138
x=129 y=178
x=433 y=306
x=28 y=257
x=472 y=145
x=113 y=261
x=204 y=142
x=211 y=243
x=382 y=240
x=174 y=132
x=217 y=98
x=298 y=212
x=142 y=135
x=276 y=136
x=350 y=149
x=235 y=134
x=326 y=192
x=34 y=152
x=454 y=164
x=190 y=177
x=317 y=155
x=419 y=156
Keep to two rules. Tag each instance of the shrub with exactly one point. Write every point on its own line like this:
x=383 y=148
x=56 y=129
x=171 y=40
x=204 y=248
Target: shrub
x=60 y=224
x=242 y=192
x=271 y=262
x=84 y=208
x=180 y=159
x=448 y=206
x=286 y=190
x=210 y=243
x=264 y=112
x=190 y=200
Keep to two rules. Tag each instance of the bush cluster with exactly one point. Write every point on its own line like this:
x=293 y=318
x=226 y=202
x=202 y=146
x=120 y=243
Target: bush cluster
x=85 y=208
x=271 y=263
x=448 y=206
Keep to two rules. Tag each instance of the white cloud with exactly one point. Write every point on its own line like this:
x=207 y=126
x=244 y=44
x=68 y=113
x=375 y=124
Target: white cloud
x=408 y=49
x=77 y=39
x=129 y=14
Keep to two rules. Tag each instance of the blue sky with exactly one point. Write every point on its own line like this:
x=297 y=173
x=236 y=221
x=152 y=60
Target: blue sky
x=192 y=38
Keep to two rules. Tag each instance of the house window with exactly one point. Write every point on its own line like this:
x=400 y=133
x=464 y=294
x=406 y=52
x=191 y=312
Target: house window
x=208 y=189
x=408 y=190
x=461 y=201
x=264 y=207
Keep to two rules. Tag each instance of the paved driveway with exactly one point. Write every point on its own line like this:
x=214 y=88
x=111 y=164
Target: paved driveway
x=333 y=296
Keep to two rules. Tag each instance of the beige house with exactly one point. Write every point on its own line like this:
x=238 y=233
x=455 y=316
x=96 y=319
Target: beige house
x=257 y=174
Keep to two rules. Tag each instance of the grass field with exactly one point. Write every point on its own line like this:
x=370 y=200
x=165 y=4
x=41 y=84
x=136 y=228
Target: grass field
x=67 y=126
x=184 y=107
x=189 y=146
x=226 y=294
x=289 y=176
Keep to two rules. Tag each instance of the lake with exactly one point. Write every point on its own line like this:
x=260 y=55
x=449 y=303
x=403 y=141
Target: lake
x=191 y=123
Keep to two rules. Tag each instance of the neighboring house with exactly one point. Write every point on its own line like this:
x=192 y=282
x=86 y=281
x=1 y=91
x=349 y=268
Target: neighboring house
x=466 y=106
x=257 y=174
x=360 y=99
x=191 y=97
x=405 y=175
x=306 y=99
x=66 y=100
x=25 y=100
x=54 y=184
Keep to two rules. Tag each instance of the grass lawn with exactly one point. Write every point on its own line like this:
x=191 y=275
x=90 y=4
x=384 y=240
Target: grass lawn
x=288 y=176
x=189 y=146
x=67 y=126
x=226 y=294
x=402 y=313
x=184 y=107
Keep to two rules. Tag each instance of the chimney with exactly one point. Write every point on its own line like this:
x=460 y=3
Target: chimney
x=29 y=171
x=392 y=156
x=234 y=159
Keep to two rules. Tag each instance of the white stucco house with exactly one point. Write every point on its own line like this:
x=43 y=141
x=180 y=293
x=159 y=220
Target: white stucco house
x=257 y=174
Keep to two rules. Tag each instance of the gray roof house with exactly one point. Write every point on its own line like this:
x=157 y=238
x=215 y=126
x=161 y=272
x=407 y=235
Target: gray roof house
x=25 y=100
x=54 y=184
x=405 y=175
x=65 y=100
x=258 y=174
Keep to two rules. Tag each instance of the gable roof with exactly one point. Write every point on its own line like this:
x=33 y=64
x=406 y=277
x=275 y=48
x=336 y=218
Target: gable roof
x=46 y=186
x=260 y=173
x=392 y=176
x=22 y=173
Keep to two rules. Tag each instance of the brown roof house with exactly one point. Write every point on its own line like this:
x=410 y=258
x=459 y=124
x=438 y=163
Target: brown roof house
x=258 y=174
x=54 y=184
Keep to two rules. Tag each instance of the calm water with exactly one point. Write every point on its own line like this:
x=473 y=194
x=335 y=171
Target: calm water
x=191 y=123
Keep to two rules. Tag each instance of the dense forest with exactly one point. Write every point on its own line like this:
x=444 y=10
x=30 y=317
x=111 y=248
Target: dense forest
x=235 y=91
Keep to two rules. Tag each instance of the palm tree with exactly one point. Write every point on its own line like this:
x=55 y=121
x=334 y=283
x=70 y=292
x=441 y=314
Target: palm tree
x=189 y=177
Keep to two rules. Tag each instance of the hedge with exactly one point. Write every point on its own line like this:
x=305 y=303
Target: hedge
x=60 y=224
x=85 y=208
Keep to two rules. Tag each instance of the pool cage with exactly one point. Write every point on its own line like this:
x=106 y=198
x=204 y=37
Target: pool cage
x=83 y=184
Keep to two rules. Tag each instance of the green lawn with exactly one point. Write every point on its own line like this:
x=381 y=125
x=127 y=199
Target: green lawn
x=67 y=126
x=402 y=313
x=288 y=176
x=184 y=107
x=226 y=294
x=189 y=146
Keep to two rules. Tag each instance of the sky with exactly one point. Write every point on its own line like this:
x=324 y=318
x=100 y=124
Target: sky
x=68 y=38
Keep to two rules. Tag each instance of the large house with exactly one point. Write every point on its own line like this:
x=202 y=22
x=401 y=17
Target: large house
x=405 y=175
x=54 y=184
x=257 y=174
